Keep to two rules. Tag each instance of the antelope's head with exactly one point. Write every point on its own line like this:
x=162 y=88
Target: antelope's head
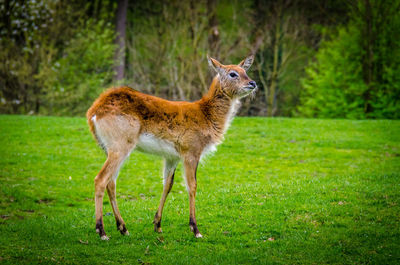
x=233 y=78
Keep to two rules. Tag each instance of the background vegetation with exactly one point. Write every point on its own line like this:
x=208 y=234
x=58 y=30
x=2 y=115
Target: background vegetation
x=335 y=58
x=277 y=191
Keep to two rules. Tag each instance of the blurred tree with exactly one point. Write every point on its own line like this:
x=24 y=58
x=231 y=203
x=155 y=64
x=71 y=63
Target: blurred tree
x=354 y=74
x=280 y=45
x=120 y=40
x=31 y=35
x=34 y=36
x=83 y=71
x=213 y=33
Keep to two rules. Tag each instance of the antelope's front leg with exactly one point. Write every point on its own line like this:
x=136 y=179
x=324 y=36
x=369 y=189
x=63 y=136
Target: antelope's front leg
x=169 y=171
x=191 y=181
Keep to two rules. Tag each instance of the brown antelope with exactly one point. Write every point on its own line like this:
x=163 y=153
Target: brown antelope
x=123 y=119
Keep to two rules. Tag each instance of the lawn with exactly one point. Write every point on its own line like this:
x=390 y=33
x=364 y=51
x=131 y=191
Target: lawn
x=277 y=191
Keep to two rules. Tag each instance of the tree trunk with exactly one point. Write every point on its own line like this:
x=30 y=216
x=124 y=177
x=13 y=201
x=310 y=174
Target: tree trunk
x=120 y=40
x=368 y=63
x=274 y=75
x=213 y=35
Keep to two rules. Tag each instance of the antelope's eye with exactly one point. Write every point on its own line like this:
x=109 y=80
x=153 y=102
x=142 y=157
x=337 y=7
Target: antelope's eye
x=233 y=74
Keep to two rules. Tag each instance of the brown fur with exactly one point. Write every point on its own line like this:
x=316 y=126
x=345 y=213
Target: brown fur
x=120 y=115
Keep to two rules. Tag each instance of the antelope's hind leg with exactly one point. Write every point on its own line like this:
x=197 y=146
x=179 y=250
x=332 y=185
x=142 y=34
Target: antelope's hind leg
x=103 y=180
x=119 y=136
x=111 y=190
x=190 y=164
x=169 y=173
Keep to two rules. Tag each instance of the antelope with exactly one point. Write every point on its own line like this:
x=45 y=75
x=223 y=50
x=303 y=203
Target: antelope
x=123 y=119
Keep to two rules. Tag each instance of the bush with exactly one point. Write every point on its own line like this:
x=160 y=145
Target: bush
x=83 y=71
x=334 y=86
x=353 y=76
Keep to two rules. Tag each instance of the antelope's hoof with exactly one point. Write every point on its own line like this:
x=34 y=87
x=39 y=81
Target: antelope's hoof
x=124 y=232
x=157 y=228
x=104 y=237
x=198 y=235
x=122 y=229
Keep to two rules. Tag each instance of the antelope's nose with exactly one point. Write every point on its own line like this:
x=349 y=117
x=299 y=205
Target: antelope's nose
x=253 y=84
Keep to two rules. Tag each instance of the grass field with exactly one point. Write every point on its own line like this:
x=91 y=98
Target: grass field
x=277 y=191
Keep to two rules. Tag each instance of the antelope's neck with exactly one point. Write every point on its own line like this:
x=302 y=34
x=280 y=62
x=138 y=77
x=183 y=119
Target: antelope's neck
x=218 y=108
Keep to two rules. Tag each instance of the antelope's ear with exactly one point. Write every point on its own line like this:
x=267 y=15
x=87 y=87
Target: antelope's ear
x=214 y=64
x=246 y=63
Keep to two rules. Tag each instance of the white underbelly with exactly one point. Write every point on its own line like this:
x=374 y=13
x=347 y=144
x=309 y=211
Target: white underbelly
x=150 y=144
x=208 y=151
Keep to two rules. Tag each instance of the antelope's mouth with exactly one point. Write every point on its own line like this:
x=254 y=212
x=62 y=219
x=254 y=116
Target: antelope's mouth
x=250 y=88
x=247 y=90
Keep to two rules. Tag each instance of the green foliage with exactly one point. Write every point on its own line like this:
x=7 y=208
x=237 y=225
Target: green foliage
x=355 y=74
x=83 y=71
x=23 y=50
x=277 y=191
x=334 y=86
x=57 y=56
x=37 y=38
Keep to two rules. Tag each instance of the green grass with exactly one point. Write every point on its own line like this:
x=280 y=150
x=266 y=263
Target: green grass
x=326 y=191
